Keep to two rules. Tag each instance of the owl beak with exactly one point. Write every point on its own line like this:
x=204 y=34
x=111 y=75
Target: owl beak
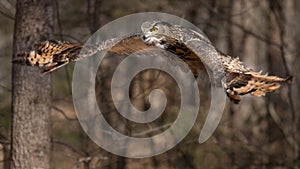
x=145 y=38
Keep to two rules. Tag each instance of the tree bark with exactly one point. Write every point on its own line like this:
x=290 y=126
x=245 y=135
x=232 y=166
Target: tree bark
x=31 y=89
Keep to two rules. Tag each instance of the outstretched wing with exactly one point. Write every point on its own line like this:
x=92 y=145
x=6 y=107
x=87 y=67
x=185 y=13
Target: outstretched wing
x=236 y=78
x=240 y=80
x=51 y=55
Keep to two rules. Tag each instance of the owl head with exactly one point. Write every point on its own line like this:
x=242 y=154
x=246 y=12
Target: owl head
x=155 y=33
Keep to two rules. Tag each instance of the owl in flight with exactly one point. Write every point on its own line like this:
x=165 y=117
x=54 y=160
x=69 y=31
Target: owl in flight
x=192 y=47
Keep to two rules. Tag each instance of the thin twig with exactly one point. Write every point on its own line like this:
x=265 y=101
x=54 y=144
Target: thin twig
x=56 y=141
x=63 y=113
x=93 y=13
x=71 y=37
x=7 y=16
x=223 y=17
x=279 y=17
x=6 y=4
x=58 y=20
x=4 y=87
x=68 y=80
x=4 y=139
x=152 y=130
x=278 y=122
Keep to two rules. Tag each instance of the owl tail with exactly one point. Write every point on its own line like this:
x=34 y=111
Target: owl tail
x=252 y=83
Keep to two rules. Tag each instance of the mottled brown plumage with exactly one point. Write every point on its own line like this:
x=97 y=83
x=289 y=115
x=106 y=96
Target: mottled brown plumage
x=240 y=80
x=50 y=55
x=190 y=46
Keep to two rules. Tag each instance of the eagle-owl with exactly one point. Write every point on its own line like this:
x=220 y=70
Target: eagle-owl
x=194 y=48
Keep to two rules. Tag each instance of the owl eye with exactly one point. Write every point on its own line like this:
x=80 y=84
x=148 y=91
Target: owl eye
x=154 y=29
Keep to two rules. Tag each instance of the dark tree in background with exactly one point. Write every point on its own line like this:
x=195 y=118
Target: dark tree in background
x=31 y=98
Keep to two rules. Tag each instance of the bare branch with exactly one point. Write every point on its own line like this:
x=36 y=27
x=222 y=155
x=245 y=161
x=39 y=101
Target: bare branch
x=278 y=122
x=68 y=80
x=58 y=19
x=63 y=113
x=7 y=16
x=69 y=36
x=152 y=130
x=223 y=17
x=279 y=17
x=93 y=15
x=4 y=87
x=59 y=142
x=8 y=6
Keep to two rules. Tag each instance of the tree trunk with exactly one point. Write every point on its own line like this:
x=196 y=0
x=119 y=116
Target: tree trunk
x=31 y=89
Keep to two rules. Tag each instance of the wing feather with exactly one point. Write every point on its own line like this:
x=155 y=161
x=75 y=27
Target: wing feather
x=236 y=78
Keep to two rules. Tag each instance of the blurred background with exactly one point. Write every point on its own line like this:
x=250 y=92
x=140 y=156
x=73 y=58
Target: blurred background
x=257 y=133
